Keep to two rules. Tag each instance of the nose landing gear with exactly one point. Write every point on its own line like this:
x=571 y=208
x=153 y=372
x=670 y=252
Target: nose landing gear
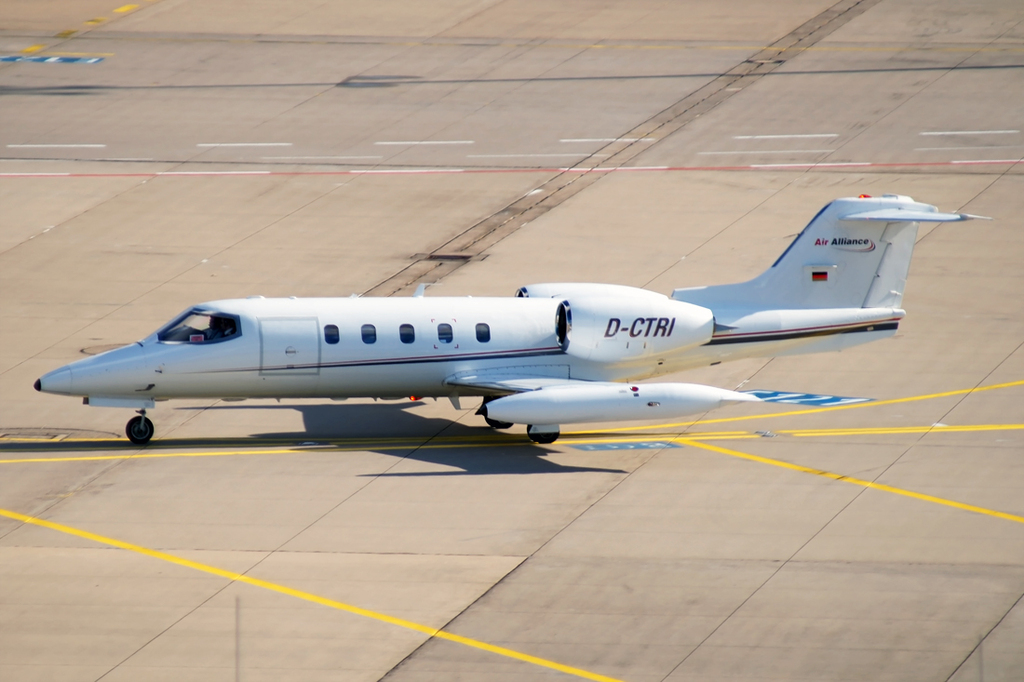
x=139 y=429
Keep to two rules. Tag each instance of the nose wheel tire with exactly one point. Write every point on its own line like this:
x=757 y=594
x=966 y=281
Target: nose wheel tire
x=139 y=430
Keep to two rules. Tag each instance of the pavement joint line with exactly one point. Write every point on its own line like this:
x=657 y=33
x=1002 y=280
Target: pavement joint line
x=874 y=403
x=850 y=479
x=435 y=633
x=383 y=445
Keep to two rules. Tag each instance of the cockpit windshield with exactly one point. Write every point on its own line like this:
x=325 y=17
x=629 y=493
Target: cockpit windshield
x=200 y=326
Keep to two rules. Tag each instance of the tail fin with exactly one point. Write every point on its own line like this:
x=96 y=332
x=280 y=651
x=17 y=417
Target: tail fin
x=854 y=254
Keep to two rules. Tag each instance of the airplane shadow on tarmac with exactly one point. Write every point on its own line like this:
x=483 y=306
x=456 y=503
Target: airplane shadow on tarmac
x=387 y=428
x=475 y=450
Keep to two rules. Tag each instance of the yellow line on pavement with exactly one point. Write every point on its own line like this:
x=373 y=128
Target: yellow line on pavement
x=461 y=443
x=850 y=479
x=868 y=431
x=307 y=596
x=792 y=413
x=33 y=48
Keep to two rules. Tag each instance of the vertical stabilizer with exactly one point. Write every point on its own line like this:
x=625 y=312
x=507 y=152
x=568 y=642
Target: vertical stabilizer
x=854 y=254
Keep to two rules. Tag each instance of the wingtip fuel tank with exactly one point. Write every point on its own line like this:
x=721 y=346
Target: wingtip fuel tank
x=611 y=402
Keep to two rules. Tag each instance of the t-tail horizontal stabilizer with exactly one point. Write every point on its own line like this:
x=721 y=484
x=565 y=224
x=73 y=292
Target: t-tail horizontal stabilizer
x=854 y=254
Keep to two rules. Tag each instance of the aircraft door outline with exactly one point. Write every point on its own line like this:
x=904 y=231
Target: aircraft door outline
x=289 y=346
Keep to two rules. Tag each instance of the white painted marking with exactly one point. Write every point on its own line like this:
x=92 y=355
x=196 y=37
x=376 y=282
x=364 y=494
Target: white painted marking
x=213 y=173
x=970 y=132
x=402 y=171
x=773 y=151
x=992 y=146
x=245 y=144
x=990 y=161
x=811 y=165
x=412 y=142
x=514 y=156
x=610 y=139
x=783 y=137
x=323 y=157
x=56 y=146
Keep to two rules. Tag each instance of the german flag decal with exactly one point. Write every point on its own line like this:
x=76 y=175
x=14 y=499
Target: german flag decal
x=819 y=276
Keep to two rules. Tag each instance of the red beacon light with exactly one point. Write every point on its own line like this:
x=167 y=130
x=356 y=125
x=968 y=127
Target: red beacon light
x=864 y=196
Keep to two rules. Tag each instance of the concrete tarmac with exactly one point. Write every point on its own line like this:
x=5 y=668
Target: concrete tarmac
x=157 y=155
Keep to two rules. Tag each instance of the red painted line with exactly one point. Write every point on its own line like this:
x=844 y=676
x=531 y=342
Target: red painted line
x=439 y=171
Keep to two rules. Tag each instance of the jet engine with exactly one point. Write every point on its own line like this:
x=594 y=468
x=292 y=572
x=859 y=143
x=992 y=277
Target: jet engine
x=609 y=323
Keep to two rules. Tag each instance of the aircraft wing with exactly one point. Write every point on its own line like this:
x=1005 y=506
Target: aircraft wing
x=511 y=381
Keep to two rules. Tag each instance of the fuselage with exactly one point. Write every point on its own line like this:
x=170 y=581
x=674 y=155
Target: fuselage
x=400 y=347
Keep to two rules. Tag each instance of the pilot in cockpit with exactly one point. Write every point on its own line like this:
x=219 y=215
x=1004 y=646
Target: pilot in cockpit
x=220 y=327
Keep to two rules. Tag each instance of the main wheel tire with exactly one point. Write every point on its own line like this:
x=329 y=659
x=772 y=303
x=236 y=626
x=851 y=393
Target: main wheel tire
x=542 y=438
x=139 y=430
x=495 y=424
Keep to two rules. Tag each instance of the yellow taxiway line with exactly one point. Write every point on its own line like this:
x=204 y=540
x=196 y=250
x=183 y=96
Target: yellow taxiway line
x=368 y=445
x=855 y=481
x=307 y=596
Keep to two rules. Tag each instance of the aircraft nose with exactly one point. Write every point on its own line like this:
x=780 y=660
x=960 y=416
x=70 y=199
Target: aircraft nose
x=57 y=381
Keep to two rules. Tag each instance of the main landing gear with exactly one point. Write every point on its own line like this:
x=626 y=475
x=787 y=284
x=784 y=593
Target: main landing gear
x=544 y=434
x=541 y=434
x=139 y=429
x=493 y=423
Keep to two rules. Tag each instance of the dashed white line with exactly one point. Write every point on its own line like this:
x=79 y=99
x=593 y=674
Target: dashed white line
x=609 y=139
x=56 y=146
x=323 y=157
x=513 y=156
x=784 y=137
x=405 y=171
x=772 y=151
x=414 y=142
x=245 y=144
x=989 y=146
x=988 y=161
x=837 y=164
x=970 y=132
x=213 y=173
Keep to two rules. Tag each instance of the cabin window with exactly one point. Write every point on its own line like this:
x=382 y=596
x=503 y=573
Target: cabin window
x=483 y=333
x=331 y=334
x=444 y=333
x=407 y=333
x=198 y=326
x=369 y=333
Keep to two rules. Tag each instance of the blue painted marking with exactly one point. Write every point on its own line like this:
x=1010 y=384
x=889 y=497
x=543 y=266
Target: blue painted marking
x=648 y=445
x=51 y=60
x=806 y=398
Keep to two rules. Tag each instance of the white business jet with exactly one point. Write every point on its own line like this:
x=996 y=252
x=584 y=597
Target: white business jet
x=554 y=354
